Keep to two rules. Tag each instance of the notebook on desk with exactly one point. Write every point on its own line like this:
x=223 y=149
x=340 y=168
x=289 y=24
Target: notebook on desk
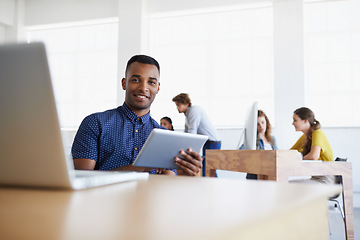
x=31 y=147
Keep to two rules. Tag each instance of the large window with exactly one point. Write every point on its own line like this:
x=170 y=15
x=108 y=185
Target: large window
x=222 y=57
x=83 y=65
x=332 y=61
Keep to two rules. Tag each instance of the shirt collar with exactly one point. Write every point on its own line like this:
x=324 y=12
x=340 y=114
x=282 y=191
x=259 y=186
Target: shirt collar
x=132 y=115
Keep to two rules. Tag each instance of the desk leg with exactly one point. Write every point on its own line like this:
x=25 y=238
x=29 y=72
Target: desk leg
x=263 y=177
x=273 y=178
x=212 y=172
x=347 y=193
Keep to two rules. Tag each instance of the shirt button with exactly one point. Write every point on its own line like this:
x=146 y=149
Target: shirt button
x=136 y=148
x=136 y=130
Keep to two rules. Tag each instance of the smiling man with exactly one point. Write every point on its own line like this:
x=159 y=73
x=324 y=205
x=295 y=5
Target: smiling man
x=141 y=85
x=111 y=140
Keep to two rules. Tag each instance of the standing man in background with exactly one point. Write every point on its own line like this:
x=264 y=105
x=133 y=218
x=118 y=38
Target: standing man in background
x=197 y=122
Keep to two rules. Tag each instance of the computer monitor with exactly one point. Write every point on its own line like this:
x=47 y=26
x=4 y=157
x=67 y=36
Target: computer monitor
x=249 y=134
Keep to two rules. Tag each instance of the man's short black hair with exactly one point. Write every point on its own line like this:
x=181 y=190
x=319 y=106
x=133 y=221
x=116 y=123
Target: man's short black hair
x=142 y=59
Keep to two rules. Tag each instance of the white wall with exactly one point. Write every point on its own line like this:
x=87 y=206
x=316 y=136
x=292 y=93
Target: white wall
x=7 y=10
x=130 y=36
x=289 y=84
x=288 y=53
x=12 y=21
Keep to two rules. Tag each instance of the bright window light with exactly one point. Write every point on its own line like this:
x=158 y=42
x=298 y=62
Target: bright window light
x=223 y=58
x=332 y=61
x=83 y=64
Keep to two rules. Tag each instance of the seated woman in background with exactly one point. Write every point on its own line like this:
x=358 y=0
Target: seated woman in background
x=313 y=144
x=265 y=141
x=167 y=123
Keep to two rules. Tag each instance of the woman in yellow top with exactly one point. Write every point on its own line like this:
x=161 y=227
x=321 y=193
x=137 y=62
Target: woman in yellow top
x=313 y=144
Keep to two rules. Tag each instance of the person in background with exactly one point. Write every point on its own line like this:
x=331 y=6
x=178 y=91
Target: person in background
x=197 y=122
x=166 y=123
x=313 y=144
x=111 y=140
x=264 y=141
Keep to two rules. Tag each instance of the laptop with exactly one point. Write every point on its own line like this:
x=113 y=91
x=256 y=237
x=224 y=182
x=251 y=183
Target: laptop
x=162 y=146
x=31 y=147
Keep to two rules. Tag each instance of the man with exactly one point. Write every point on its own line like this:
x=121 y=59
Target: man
x=111 y=140
x=197 y=122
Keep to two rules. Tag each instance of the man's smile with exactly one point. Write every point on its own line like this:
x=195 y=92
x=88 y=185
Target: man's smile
x=141 y=96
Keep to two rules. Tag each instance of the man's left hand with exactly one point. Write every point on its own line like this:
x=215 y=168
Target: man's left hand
x=190 y=163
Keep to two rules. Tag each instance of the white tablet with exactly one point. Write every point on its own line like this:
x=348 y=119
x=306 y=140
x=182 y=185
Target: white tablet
x=162 y=146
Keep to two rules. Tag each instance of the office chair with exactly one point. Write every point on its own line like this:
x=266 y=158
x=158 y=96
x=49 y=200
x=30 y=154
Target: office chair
x=338 y=181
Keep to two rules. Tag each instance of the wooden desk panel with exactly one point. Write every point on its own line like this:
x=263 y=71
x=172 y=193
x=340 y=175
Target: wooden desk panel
x=279 y=165
x=168 y=208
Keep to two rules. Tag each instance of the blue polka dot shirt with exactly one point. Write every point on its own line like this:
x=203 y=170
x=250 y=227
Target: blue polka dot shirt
x=112 y=138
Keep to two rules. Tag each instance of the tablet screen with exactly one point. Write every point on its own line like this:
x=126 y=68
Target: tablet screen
x=162 y=146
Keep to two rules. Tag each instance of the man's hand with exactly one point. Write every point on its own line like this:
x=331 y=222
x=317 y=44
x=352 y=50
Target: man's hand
x=164 y=171
x=191 y=163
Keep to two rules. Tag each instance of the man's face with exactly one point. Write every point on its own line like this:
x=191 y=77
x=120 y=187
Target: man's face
x=141 y=84
x=181 y=107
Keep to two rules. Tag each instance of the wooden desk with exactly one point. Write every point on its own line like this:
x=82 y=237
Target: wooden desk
x=279 y=165
x=168 y=208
